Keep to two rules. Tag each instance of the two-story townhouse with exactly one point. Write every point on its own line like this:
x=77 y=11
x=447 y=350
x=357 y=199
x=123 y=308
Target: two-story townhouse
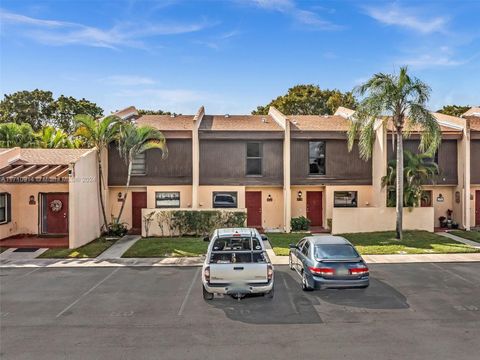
x=473 y=120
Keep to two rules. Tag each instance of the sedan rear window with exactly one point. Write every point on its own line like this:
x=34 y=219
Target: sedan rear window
x=335 y=251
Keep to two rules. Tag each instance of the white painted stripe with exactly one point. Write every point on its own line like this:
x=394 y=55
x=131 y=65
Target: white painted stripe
x=187 y=295
x=87 y=292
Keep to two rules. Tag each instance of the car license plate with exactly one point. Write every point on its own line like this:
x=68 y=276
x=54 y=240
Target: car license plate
x=342 y=271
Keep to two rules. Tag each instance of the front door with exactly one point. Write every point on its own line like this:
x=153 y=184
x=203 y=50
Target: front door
x=477 y=207
x=55 y=213
x=253 y=202
x=315 y=208
x=139 y=202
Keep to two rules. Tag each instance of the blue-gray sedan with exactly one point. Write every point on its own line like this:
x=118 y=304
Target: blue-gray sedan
x=328 y=262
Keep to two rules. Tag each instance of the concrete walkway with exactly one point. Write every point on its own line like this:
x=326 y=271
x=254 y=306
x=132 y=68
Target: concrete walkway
x=460 y=239
x=119 y=247
x=11 y=254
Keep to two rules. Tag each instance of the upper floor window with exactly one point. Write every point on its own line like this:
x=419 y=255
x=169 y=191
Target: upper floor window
x=5 y=215
x=254 y=158
x=345 y=199
x=139 y=164
x=316 y=157
x=167 y=199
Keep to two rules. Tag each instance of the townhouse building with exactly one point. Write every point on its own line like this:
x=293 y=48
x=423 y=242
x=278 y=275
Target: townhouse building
x=278 y=167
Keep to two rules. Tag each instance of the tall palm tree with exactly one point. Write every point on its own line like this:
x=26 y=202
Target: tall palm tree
x=134 y=141
x=17 y=135
x=419 y=170
x=52 y=138
x=99 y=134
x=398 y=100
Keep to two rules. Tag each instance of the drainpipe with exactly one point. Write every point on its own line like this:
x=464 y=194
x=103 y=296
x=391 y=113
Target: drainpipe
x=196 y=156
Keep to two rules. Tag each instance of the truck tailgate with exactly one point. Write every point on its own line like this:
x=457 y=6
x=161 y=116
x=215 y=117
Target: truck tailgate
x=238 y=273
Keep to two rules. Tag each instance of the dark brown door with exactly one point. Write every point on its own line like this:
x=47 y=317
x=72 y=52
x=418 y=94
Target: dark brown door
x=253 y=202
x=315 y=208
x=55 y=213
x=477 y=208
x=139 y=202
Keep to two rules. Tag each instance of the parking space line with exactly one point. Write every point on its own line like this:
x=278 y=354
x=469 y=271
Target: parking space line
x=31 y=272
x=87 y=292
x=451 y=273
x=187 y=295
x=292 y=303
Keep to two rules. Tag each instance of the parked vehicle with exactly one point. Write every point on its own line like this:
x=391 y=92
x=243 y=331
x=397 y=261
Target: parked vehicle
x=237 y=264
x=328 y=262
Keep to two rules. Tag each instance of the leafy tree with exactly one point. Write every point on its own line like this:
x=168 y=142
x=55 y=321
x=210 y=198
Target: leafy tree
x=38 y=108
x=154 y=112
x=134 y=141
x=17 y=135
x=309 y=100
x=51 y=138
x=398 y=100
x=419 y=170
x=98 y=134
x=454 y=110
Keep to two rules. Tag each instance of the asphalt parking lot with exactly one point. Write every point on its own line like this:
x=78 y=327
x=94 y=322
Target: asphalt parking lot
x=410 y=311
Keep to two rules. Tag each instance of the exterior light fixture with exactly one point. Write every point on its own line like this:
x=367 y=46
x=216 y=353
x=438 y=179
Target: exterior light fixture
x=269 y=197
x=120 y=196
x=299 y=195
x=440 y=198
x=31 y=200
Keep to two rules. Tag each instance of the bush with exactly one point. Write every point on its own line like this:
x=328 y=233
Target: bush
x=116 y=229
x=202 y=222
x=300 y=223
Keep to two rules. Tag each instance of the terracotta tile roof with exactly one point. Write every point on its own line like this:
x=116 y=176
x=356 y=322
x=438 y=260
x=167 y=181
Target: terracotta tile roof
x=167 y=122
x=344 y=112
x=127 y=112
x=473 y=111
x=319 y=123
x=49 y=156
x=239 y=123
x=475 y=123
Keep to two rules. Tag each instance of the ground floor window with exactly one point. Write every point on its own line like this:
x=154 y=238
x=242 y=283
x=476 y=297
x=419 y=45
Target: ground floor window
x=345 y=199
x=225 y=199
x=4 y=208
x=170 y=199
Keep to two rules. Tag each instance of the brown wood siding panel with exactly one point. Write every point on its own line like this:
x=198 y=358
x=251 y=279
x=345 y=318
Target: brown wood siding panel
x=475 y=161
x=176 y=169
x=447 y=159
x=223 y=162
x=342 y=166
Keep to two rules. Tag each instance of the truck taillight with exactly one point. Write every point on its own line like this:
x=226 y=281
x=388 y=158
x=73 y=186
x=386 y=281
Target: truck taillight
x=321 y=270
x=269 y=272
x=361 y=270
x=206 y=273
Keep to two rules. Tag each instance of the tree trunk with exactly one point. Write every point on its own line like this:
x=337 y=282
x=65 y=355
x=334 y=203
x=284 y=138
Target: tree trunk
x=100 y=190
x=399 y=182
x=126 y=189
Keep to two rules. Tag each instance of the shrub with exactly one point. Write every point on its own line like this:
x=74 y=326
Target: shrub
x=300 y=223
x=116 y=229
x=202 y=222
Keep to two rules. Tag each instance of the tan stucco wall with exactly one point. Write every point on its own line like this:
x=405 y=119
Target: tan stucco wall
x=25 y=216
x=440 y=208
x=272 y=211
x=299 y=208
x=205 y=195
x=85 y=214
x=349 y=220
x=114 y=205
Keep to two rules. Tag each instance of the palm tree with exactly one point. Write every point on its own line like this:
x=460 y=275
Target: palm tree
x=419 y=170
x=134 y=141
x=17 y=135
x=52 y=138
x=99 y=134
x=399 y=101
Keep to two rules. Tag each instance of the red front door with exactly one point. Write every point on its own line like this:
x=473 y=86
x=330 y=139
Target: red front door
x=139 y=202
x=253 y=202
x=55 y=207
x=315 y=208
x=477 y=208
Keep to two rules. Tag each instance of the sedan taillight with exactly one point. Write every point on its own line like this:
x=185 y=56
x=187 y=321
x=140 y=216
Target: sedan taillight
x=322 y=270
x=206 y=273
x=362 y=270
x=269 y=272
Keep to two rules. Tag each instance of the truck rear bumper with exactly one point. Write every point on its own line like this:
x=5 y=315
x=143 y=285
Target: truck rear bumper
x=229 y=289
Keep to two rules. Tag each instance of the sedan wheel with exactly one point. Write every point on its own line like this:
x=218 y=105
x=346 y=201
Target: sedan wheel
x=305 y=286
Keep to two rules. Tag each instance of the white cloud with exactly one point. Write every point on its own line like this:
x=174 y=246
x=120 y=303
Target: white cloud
x=443 y=56
x=58 y=33
x=302 y=16
x=127 y=80
x=407 y=17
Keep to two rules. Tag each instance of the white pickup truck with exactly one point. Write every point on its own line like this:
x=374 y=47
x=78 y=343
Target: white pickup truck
x=237 y=264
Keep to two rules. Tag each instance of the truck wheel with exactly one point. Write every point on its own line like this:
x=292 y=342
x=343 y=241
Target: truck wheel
x=305 y=286
x=270 y=294
x=207 y=295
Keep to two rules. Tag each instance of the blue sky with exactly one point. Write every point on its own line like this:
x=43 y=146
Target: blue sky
x=233 y=55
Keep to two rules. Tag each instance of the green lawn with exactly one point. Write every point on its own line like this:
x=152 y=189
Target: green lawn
x=470 y=235
x=90 y=250
x=167 y=247
x=375 y=243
